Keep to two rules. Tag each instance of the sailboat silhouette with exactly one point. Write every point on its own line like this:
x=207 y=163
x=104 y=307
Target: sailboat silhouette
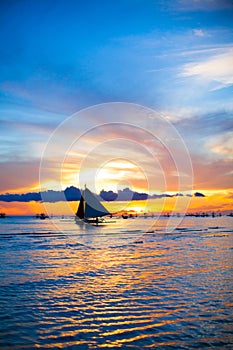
x=90 y=210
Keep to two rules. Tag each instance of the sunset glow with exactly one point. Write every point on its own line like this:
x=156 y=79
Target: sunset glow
x=144 y=103
x=118 y=174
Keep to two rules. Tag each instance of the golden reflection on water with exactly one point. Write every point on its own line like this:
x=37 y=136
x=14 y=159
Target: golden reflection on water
x=73 y=264
x=170 y=290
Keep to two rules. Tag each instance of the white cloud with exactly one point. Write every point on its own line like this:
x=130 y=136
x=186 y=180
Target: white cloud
x=221 y=145
x=218 y=68
x=198 y=32
x=207 y=50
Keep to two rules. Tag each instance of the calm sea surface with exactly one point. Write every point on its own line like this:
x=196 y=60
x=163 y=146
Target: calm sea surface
x=127 y=285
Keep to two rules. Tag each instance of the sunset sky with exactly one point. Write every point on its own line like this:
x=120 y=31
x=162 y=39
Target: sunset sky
x=60 y=58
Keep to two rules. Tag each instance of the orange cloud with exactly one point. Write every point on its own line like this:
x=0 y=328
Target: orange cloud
x=212 y=175
x=18 y=177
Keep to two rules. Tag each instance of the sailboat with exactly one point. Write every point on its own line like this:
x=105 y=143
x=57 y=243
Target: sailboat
x=90 y=210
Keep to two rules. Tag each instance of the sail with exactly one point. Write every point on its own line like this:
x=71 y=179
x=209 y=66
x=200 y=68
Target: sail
x=93 y=207
x=80 y=211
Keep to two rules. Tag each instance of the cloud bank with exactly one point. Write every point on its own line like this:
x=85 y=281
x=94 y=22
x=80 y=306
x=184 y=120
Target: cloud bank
x=73 y=193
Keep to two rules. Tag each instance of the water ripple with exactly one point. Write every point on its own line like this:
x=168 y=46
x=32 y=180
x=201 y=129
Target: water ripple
x=171 y=291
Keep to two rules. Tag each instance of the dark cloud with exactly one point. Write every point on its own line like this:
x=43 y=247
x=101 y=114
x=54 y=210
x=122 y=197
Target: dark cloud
x=206 y=124
x=199 y=194
x=108 y=195
x=74 y=194
x=26 y=197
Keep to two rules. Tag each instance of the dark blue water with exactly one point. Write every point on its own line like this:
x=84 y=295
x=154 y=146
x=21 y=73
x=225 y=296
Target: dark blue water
x=146 y=290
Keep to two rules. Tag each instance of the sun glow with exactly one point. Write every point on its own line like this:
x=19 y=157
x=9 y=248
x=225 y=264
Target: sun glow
x=120 y=173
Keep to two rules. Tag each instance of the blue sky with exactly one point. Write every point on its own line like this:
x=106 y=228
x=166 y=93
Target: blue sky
x=57 y=57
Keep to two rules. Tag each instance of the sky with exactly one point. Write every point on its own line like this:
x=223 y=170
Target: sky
x=60 y=58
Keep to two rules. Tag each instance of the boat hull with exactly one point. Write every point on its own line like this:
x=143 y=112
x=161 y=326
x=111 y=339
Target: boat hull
x=94 y=221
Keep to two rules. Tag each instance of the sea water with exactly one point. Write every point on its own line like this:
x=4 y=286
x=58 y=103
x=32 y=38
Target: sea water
x=131 y=284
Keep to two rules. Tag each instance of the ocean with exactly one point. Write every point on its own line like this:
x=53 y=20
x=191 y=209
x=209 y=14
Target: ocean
x=132 y=284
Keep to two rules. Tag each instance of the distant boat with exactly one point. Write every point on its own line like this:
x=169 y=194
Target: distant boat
x=90 y=210
x=124 y=216
x=42 y=216
x=2 y=215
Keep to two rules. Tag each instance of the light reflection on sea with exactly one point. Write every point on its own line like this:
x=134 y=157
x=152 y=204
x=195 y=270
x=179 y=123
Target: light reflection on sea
x=161 y=290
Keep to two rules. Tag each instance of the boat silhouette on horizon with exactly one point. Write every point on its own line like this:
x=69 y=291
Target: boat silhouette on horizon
x=42 y=216
x=90 y=210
